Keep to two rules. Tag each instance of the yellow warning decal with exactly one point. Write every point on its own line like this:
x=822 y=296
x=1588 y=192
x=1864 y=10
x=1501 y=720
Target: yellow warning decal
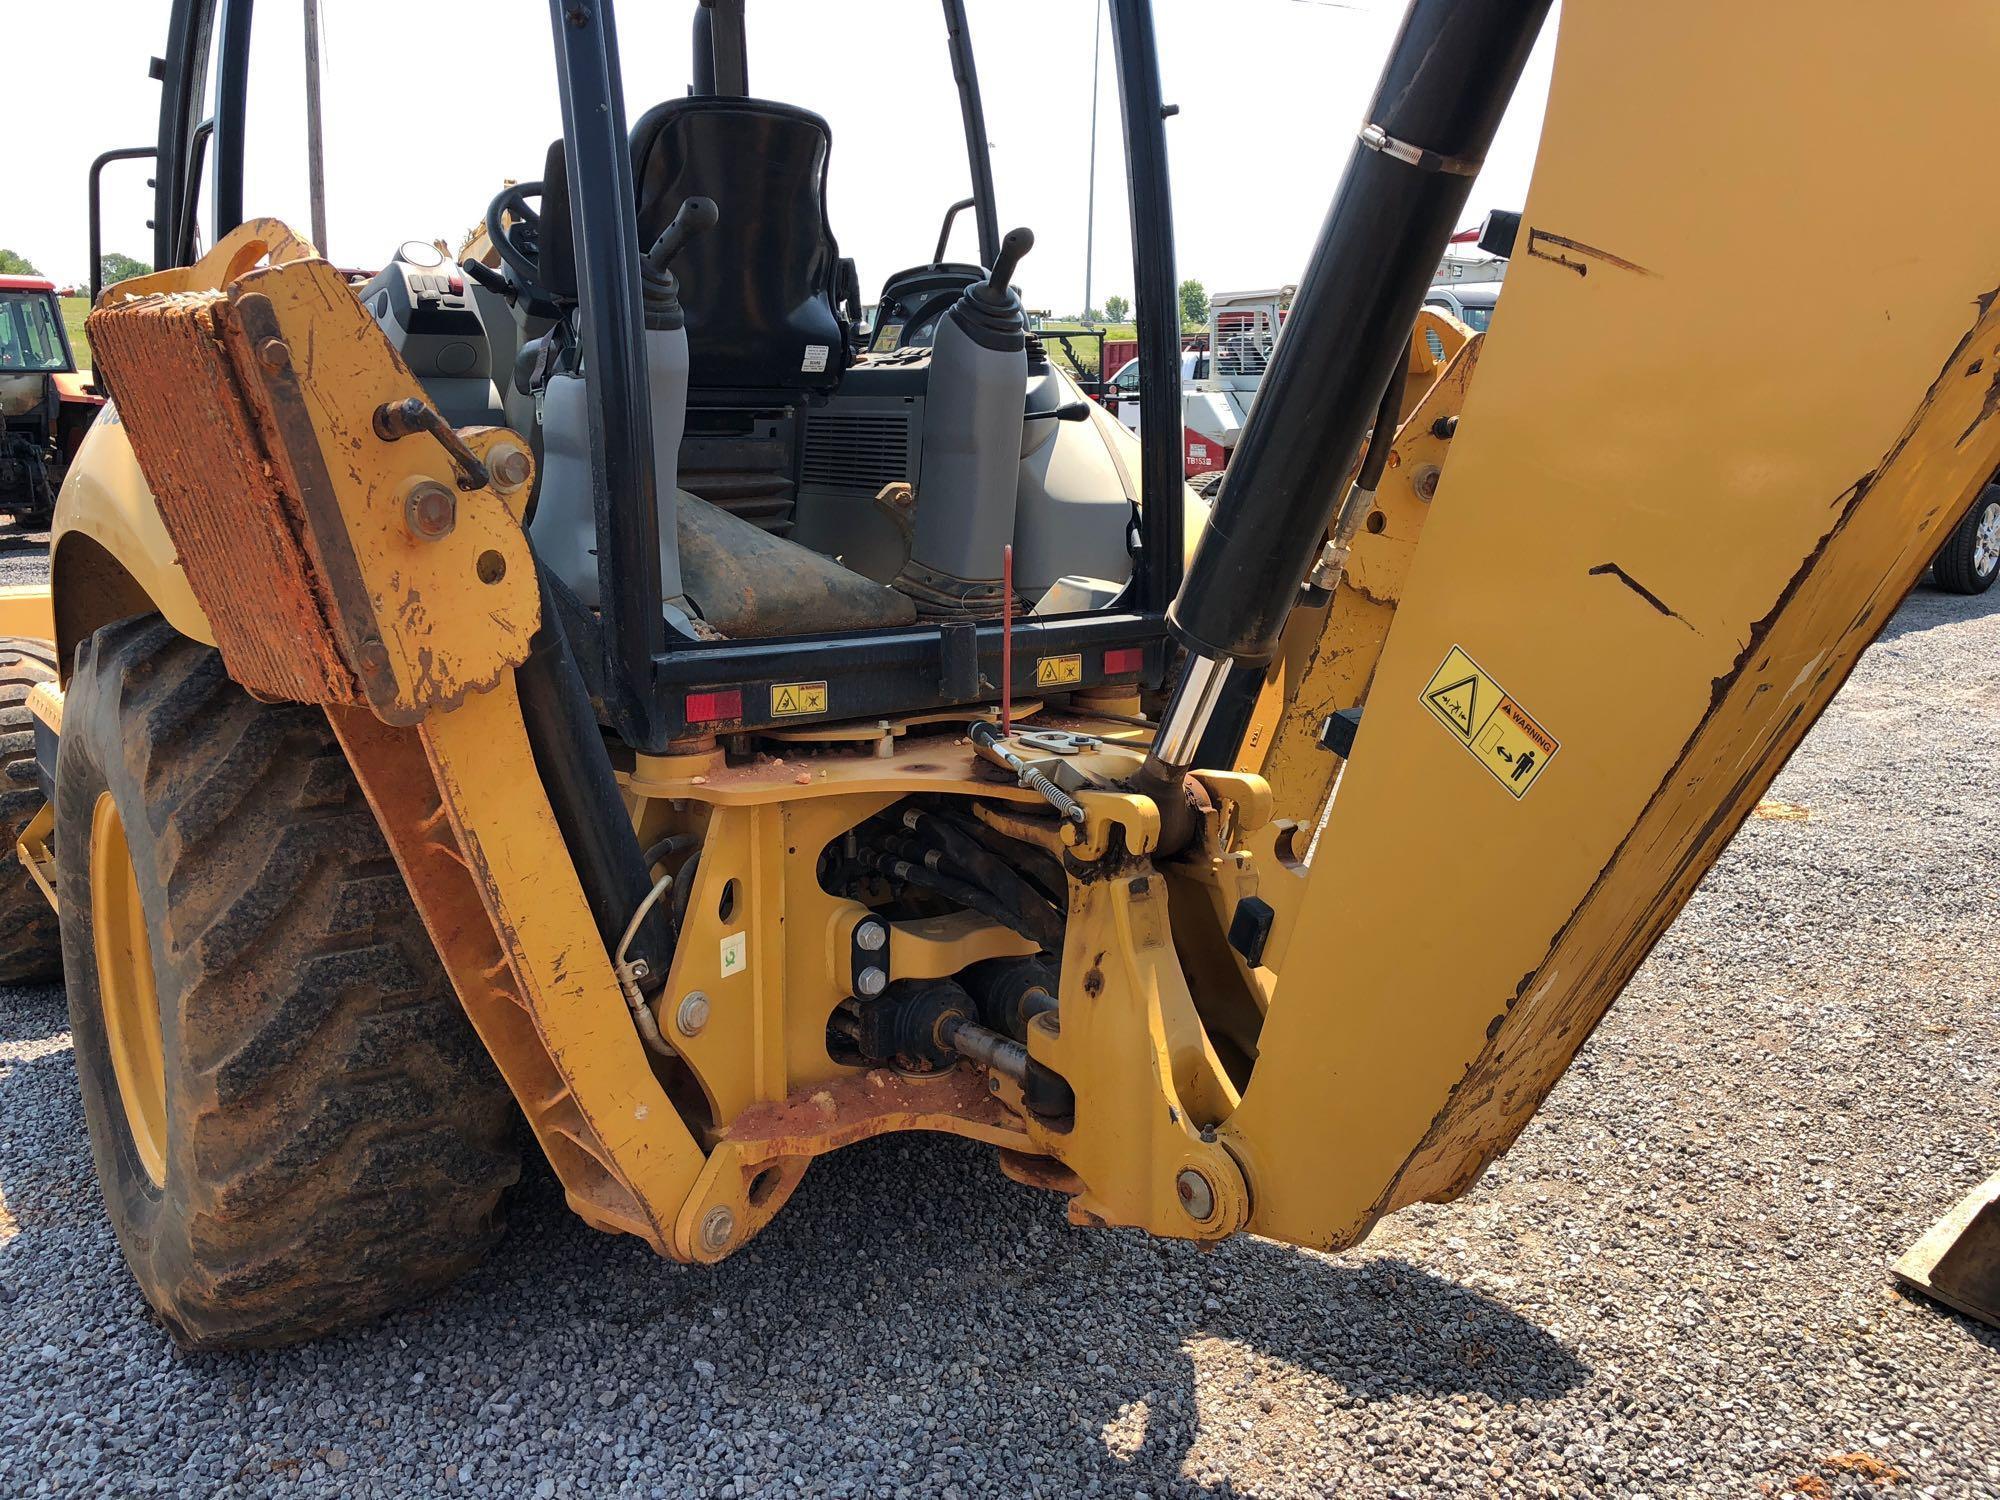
x=1461 y=695
x=791 y=699
x=1502 y=736
x=1059 y=671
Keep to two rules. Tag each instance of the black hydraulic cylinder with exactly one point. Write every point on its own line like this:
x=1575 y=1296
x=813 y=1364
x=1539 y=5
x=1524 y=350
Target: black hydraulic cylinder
x=583 y=793
x=1447 y=82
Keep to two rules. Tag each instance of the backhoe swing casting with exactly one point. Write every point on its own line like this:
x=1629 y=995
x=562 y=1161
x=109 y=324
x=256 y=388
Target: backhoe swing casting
x=607 y=633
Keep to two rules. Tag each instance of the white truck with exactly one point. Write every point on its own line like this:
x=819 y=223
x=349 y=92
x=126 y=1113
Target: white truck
x=1217 y=383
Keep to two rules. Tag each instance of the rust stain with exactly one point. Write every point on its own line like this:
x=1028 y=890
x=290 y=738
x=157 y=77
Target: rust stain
x=868 y=1104
x=1538 y=238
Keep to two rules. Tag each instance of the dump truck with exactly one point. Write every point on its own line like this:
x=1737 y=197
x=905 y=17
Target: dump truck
x=599 y=693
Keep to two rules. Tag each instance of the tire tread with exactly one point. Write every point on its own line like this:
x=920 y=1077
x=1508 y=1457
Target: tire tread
x=30 y=937
x=339 y=1143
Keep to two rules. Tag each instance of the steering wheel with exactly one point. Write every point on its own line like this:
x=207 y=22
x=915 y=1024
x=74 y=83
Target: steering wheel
x=920 y=327
x=519 y=242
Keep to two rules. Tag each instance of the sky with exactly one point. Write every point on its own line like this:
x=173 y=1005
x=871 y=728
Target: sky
x=1270 y=95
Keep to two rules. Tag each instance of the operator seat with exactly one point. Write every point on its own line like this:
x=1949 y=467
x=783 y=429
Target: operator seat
x=761 y=289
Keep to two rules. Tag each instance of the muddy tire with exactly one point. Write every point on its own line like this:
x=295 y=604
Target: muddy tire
x=30 y=942
x=293 y=1124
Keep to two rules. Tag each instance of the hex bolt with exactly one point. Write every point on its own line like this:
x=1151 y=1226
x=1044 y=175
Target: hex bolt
x=871 y=937
x=870 y=982
x=275 y=354
x=691 y=1014
x=510 y=469
x=1425 y=481
x=1197 y=1197
x=718 y=1227
x=372 y=656
x=431 y=510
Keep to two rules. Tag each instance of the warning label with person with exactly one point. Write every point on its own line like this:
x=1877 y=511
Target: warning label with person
x=1502 y=736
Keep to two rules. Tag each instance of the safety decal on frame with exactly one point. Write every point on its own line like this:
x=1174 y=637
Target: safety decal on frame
x=1059 y=671
x=1502 y=736
x=789 y=700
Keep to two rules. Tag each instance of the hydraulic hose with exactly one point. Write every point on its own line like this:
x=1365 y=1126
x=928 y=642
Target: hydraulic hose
x=575 y=769
x=962 y=892
x=982 y=867
x=1332 y=564
x=1388 y=416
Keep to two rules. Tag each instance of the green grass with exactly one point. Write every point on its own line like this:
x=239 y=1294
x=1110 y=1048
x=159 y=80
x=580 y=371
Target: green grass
x=1086 y=349
x=73 y=310
x=1111 y=331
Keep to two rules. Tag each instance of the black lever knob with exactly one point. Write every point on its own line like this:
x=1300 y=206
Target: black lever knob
x=1017 y=243
x=697 y=216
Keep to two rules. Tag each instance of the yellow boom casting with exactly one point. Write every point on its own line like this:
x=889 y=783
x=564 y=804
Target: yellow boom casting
x=1606 y=567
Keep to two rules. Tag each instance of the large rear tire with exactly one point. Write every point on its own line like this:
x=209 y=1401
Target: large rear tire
x=294 y=1126
x=30 y=941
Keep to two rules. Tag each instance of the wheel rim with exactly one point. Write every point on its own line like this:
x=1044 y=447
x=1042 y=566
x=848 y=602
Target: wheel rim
x=125 y=988
x=1986 y=541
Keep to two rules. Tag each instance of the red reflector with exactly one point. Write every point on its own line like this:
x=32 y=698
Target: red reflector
x=1124 y=659
x=707 y=708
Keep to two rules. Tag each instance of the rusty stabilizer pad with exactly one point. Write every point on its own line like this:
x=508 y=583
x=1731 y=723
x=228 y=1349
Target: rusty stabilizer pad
x=252 y=411
x=224 y=492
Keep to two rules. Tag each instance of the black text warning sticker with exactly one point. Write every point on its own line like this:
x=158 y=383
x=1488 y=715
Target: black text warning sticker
x=1502 y=735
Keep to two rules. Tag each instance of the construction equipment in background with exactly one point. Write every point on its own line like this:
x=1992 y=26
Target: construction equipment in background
x=1219 y=379
x=674 y=769
x=46 y=403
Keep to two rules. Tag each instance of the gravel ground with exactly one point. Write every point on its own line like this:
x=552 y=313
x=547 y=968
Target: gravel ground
x=24 y=556
x=1676 y=1284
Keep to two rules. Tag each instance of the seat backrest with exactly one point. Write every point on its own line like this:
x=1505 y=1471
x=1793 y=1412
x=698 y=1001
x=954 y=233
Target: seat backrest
x=759 y=289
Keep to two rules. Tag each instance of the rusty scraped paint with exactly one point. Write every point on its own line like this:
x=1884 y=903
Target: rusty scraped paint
x=209 y=459
x=396 y=776
x=252 y=408
x=1759 y=713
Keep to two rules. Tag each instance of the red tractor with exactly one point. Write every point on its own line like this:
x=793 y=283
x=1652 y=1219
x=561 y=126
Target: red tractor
x=46 y=403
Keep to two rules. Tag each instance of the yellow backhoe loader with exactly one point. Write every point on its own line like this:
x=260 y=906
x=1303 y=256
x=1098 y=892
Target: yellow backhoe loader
x=607 y=683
